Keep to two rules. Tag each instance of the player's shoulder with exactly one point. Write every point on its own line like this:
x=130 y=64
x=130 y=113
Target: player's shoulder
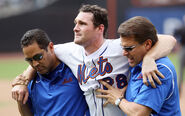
x=164 y=62
x=114 y=41
x=114 y=45
x=166 y=67
x=67 y=45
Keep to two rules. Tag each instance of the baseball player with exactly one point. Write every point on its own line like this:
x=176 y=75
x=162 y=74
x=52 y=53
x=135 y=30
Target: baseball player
x=106 y=63
x=91 y=57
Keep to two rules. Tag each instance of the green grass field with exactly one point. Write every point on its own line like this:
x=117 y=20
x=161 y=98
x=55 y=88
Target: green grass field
x=9 y=69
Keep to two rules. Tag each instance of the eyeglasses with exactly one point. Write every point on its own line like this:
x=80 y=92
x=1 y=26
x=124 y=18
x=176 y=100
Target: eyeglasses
x=37 y=57
x=128 y=48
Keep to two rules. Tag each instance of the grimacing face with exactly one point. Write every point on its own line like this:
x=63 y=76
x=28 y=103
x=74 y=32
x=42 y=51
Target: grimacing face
x=84 y=30
x=39 y=59
x=136 y=53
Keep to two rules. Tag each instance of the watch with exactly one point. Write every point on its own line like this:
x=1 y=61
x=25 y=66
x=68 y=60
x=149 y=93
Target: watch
x=117 y=102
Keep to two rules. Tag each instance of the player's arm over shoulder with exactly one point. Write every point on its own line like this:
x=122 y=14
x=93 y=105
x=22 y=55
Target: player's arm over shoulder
x=66 y=49
x=163 y=47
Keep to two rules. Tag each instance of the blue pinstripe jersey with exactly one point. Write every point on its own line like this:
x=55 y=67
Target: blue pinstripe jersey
x=57 y=94
x=163 y=100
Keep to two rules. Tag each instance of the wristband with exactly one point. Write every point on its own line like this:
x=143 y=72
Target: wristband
x=117 y=102
x=24 y=82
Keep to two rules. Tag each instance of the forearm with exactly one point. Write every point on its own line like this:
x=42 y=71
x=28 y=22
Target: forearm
x=29 y=73
x=25 y=77
x=133 y=109
x=24 y=109
x=115 y=97
x=162 y=48
x=125 y=107
x=19 y=84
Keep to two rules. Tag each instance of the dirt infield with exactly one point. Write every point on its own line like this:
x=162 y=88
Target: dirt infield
x=18 y=55
x=8 y=106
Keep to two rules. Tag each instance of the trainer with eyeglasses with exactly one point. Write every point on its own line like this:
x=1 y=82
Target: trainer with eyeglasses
x=138 y=36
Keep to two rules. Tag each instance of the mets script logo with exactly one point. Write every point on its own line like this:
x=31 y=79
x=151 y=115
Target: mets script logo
x=67 y=80
x=94 y=71
x=140 y=76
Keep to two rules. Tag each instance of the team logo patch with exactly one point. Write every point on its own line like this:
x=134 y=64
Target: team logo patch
x=67 y=80
x=140 y=76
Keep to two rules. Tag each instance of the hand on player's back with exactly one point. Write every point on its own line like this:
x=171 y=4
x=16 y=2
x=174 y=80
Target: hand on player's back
x=112 y=94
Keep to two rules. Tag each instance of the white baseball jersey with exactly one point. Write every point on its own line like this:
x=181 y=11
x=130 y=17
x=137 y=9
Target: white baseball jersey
x=107 y=63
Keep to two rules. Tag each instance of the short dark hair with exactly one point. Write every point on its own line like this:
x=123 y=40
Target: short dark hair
x=99 y=15
x=139 y=28
x=35 y=35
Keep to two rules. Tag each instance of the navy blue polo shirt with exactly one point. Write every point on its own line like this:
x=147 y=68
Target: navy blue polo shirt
x=57 y=94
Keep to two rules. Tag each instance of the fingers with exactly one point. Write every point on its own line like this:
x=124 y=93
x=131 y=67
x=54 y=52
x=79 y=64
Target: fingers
x=15 y=96
x=150 y=79
x=25 y=98
x=102 y=96
x=124 y=89
x=159 y=74
x=102 y=91
x=105 y=84
x=20 y=97
x=105 y=104
x=156 y=78
x=20 y=93
x=145 y=80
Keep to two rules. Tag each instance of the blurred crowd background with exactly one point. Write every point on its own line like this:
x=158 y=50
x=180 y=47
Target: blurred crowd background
x=56 y=17
x=10 y=8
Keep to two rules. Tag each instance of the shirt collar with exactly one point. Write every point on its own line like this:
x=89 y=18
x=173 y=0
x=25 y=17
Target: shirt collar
x=53 y=74
x=137 y=68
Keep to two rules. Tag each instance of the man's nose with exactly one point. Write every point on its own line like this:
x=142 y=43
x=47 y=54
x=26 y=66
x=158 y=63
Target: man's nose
x=76 y=28
x=125 y=53
x=35 y=63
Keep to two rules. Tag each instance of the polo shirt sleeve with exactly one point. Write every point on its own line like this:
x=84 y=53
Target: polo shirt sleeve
x=29 y=97
x=155 y=97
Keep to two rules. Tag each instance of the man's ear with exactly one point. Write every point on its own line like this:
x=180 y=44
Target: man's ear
x=101 y=27
x=51 y=46
x=148 y=44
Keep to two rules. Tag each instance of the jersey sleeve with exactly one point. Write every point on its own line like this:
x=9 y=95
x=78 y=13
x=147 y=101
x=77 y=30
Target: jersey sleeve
x=155 y=97
x=65 y=51
x=61 y=50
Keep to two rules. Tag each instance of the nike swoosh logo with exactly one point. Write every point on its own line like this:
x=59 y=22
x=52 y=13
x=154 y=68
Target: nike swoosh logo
x=37 y=81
